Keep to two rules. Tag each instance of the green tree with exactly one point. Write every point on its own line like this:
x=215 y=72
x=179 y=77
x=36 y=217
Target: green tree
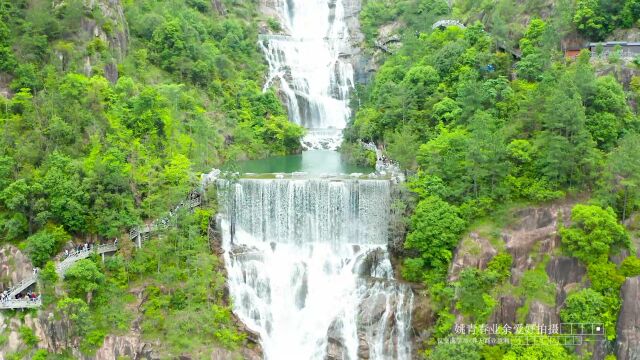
x=544 y=348
x=605 y=278
x=435 y=230
x=66 y=197
x=567 y=156
x=589 y=20
x=608 y=113
x=622 y=176
x=589 y=306
x=593 y=234
x=402 y=147
x=534 y=55
x=75 y=313
x=446 y=158
x=83 y=278
x=45 y=243
x=584 y=306
x=630 y=266
x=7 y=59
x=486 y=154
x=463 y=351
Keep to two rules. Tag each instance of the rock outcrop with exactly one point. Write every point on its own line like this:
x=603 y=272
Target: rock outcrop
x=628 y=343
x=114 y=32
x=505 y=310
x=14 y=266
x=535 y=228
x=567 y=273
x=474 y=251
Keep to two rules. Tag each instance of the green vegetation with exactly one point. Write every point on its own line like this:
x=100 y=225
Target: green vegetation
x=107 y=121
x=436 y=229
x=598 y=18
x=593 y=234
x=494 y=115
x=630 y=266
x=100 y=133
x=42 y=245
x=95 y=156
x=473 y=288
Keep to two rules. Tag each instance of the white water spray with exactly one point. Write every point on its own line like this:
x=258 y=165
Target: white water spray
x=306 y=65
x=308 y=269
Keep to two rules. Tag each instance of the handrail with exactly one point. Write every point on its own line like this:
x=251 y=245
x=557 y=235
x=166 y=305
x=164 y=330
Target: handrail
x=23 y=284
x=21 y=303
x=10 y=302
x=446 y=23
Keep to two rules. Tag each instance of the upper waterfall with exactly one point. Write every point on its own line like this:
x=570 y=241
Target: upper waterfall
x=306 y=63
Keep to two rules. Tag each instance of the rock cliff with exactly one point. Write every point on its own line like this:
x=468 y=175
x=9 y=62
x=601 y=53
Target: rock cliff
x=628 y=343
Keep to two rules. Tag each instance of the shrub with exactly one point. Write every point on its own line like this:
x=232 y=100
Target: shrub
x=630 y=266
x=28 y=336
x=594 y=231
x=605 y=278
x=435 y=230
x=44 y=244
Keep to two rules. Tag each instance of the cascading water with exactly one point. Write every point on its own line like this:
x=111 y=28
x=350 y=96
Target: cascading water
x=306 y=62
x=306 y=258
x=308 y=269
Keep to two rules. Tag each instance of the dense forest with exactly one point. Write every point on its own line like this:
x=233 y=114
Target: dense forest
x=107 y=119
x=107 y=122
x=481 y=129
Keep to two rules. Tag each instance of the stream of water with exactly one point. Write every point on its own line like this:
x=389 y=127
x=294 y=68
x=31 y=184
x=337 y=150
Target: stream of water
x=306 y=255
x=307 y=68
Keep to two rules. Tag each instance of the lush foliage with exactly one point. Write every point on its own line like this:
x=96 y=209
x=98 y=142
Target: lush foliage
x=597 y=18
x=474 y=286
x=435 y=231
x=46 y=243
x=594 y=233
x=106 y=120
x=96 y=149
x=493 y=115
x=630 y=266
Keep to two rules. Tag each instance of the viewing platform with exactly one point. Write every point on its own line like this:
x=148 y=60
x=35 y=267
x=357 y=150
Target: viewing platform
x=10 y=301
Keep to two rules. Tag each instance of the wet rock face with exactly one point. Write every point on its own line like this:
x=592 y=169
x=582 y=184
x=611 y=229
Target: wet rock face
x=628 y=344
x=372 y=309
x=336 y=349
x=369 y=266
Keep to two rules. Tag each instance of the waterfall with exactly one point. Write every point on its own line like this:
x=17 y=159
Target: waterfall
x=309 y=271
x=306 y=64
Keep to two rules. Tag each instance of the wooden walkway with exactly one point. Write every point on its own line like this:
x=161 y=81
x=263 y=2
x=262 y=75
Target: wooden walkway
x=137 y=234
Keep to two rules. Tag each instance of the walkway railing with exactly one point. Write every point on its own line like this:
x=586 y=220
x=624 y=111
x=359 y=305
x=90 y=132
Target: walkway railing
x=10 y=301
x=65 y=264
x=446 y=23
x=19 y=287
x=20 y=303
x=136 y=234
